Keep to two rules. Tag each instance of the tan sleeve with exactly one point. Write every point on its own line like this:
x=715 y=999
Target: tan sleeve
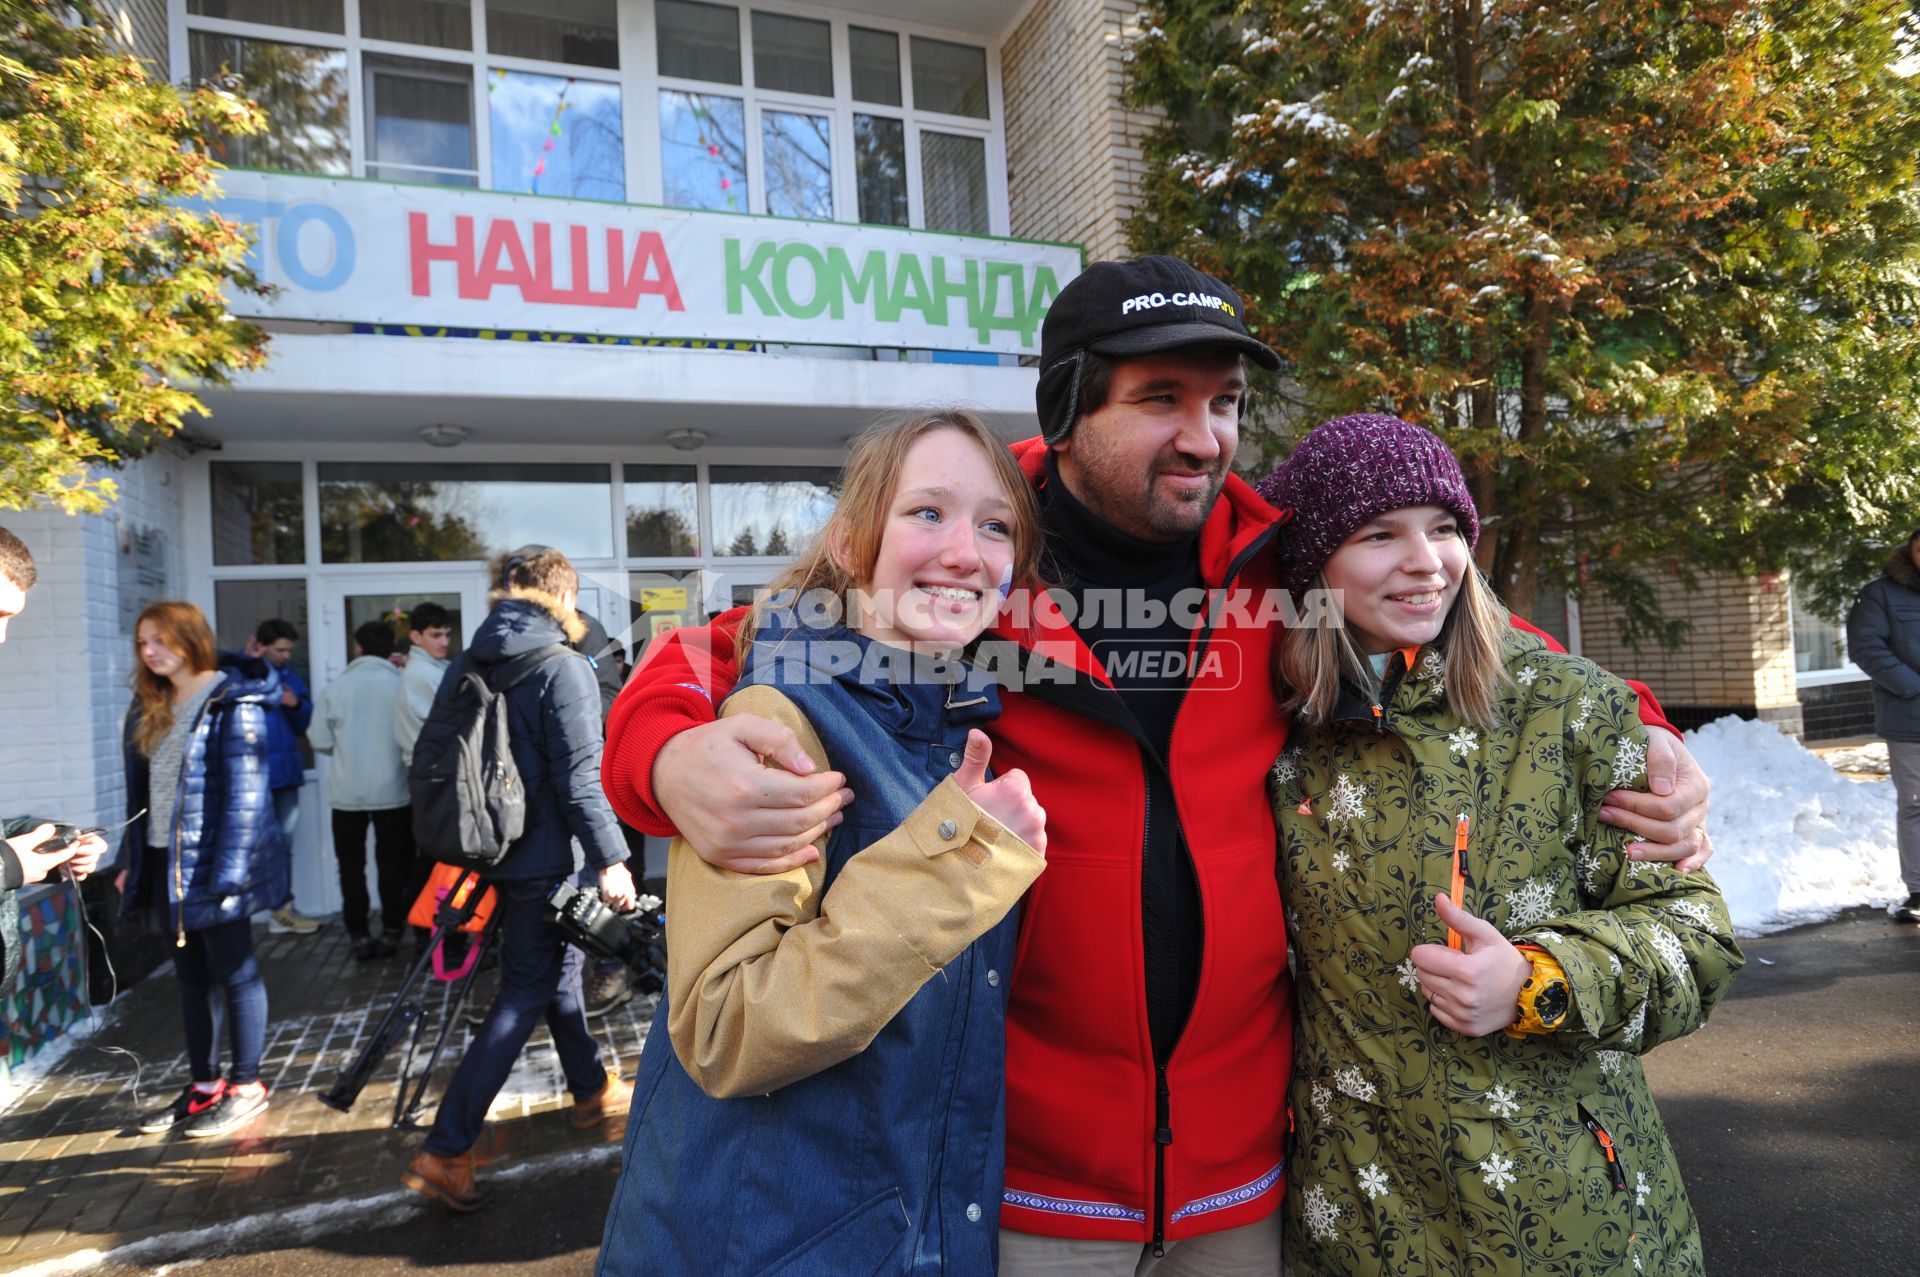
x=771 y=981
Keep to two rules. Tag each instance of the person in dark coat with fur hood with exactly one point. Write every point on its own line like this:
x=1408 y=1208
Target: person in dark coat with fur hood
x=203 y=850
x=553 y=718
x=1883 y=638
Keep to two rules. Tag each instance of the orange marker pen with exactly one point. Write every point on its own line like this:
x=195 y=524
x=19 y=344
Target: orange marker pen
x=1458 y=888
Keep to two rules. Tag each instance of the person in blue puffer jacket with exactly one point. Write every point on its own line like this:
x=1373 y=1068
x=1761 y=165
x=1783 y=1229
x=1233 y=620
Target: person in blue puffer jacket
x=203 y=851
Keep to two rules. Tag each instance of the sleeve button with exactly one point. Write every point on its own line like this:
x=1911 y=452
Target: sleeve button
x=948 y=829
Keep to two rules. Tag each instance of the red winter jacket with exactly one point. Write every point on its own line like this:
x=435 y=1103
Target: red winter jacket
x=1095 y=1147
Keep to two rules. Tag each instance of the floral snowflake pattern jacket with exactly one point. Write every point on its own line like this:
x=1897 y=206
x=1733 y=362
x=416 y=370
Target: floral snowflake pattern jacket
x=1422 y=1153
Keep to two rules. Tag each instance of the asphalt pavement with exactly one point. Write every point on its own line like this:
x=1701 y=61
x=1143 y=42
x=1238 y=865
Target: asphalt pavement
x=1794 y=1114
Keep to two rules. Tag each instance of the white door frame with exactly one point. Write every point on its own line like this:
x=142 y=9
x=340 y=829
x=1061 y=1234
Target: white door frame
x=316 y=877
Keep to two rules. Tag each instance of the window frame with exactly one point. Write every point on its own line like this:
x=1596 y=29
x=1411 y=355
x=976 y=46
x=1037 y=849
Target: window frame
x=640 y=83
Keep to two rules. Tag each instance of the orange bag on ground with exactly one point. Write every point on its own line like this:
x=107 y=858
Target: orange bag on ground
x=445 y=879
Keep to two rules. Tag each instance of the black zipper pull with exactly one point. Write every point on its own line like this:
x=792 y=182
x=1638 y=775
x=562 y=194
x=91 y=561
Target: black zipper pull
x=1617 y=1171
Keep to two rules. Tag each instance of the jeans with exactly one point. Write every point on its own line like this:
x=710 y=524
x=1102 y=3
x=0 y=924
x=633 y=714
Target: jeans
x=286 y=810
x=221 y=959
x=392 y=861
x=539 y=975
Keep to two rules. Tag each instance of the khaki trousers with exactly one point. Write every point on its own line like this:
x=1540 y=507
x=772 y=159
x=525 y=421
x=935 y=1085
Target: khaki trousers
x=1252 y=1250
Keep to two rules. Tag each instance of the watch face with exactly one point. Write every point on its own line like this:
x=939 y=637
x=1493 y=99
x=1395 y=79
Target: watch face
x=1551 y=1005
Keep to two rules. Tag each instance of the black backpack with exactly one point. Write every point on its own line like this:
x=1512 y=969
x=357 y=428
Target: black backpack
x=469 y=805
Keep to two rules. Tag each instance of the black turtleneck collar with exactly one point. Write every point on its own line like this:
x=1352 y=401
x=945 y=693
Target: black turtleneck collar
x=1085 y=550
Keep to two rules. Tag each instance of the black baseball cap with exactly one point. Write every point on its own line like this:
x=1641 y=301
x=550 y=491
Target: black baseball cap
x=1138 y=307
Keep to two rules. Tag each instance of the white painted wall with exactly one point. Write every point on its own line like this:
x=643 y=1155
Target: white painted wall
x=63 y=670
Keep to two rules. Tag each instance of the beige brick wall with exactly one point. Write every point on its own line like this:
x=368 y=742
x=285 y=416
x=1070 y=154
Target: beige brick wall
x=1073 y=147
x=1739 y=653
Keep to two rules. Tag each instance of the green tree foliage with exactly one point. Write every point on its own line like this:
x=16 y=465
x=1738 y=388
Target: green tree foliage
x=1651 y=266
x=111 y=307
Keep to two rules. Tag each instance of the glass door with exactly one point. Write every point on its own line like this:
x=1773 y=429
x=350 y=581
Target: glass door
x=349 y=603
x=344 y=604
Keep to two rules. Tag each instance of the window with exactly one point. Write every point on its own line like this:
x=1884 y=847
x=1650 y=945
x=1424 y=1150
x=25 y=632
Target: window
x=419 y=121
x=703 y=151
x=303 y=91
x=792 y=55
x=661 y=602
x=663 y=514
x=581 y=32
x=953 y=182
x=758 y=110
x=442 y=24
x=409 y=512
x=1818 y=644
x=555 y=135
x=240 y=606
x=880 y=169
x=698 y=41
x=257 y=512
x=308 y=15
x=798 y=158
x=769 y=510
x=876 y=65
x=949 y=78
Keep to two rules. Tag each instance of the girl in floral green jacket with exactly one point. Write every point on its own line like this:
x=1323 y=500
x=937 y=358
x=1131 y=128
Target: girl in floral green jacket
x=1478 y=964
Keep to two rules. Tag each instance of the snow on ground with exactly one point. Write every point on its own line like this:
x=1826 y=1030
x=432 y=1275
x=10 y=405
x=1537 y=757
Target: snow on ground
x=1870 y=758
x=1793 y=841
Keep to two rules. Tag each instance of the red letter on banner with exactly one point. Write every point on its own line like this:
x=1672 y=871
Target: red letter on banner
x=424 y=253
x=651 y=255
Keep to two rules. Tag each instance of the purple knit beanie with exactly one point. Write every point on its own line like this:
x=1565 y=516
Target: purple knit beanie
x=1350 y=470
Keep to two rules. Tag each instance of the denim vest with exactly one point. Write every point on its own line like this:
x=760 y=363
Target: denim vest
x=889 y=1162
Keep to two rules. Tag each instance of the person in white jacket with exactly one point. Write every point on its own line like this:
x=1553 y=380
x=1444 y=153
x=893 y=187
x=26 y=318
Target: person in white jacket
x=367 y=785
x=430 y=631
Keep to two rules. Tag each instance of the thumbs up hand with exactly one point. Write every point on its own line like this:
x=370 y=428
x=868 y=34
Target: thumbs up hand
x=1475 y=989
x=1008 y=799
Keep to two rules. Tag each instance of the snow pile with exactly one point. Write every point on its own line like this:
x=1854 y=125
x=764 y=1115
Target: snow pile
x=1793 y=842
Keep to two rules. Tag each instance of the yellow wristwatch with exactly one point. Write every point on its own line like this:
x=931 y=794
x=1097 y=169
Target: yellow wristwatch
x=1545 y=998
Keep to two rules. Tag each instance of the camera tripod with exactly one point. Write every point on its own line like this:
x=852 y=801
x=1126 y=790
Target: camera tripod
x=408 y=1011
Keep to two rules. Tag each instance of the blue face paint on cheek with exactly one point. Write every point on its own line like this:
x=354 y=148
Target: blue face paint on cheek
x=1006 y=582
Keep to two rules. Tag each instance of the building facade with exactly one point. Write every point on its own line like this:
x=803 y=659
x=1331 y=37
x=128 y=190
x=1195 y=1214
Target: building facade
x=617 y=276
x=623 y=277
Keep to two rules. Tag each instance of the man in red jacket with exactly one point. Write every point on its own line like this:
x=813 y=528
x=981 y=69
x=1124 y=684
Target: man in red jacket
x=1149 y=1029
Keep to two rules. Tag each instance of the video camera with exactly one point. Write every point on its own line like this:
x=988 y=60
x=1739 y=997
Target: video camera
x=638 y=938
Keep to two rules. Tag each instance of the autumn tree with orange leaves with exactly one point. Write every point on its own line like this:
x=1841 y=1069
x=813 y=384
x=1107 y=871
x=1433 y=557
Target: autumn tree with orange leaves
x=1652 y=268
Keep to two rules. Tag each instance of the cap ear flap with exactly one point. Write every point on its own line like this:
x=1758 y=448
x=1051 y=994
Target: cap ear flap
x=1058 y=398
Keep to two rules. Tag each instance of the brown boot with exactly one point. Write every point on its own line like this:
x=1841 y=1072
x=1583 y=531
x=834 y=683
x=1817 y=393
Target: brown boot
x=611 y=1100
x=448 y=1180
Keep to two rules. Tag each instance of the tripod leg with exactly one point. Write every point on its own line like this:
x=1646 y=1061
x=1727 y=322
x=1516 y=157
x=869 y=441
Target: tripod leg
x=407 y=1107
x=350 y=1083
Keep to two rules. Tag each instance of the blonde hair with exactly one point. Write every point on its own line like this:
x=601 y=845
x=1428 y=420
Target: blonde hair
x=859 y=520
x=183 y=629
x=1310 y=660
